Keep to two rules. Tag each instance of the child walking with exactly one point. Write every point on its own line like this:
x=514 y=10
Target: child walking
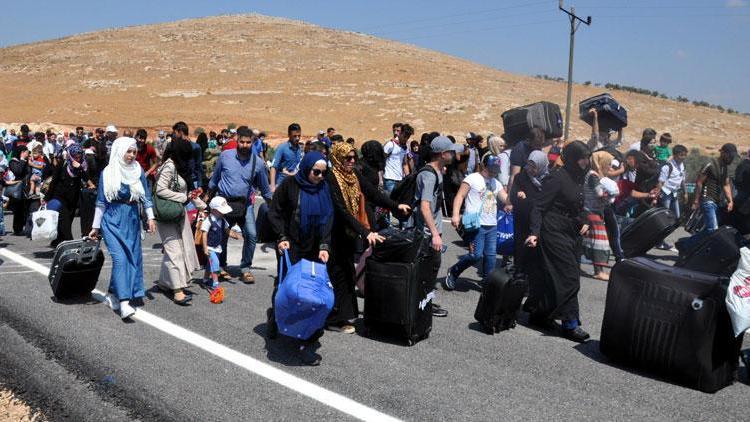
x=214 y=228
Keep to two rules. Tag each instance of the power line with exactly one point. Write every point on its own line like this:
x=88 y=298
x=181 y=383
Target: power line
x=451 y=33
x=475 y=12
x=468 y=21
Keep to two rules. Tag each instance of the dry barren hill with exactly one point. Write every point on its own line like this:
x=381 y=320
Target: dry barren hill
x=268 y=72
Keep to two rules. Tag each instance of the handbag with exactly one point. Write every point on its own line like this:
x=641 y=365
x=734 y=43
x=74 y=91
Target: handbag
x=470 y=221
x=166 y=210
x=15 y=191
x=304 y=298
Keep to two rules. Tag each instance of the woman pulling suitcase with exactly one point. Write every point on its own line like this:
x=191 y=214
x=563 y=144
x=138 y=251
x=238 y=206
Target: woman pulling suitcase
x=302 y=213
x=558 y=221
x=122 y=186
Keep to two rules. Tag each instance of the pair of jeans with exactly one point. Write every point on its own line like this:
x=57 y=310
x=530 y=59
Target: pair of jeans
x=249 y=236
x=388 y=186
x=709 y=215
x=613 y=231
x=484 y=243
x=671 y=202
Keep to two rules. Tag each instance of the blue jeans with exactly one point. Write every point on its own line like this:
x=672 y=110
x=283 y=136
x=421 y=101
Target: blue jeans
x=484 y=244
x=388 y=186
x=709 y=215
x=672 y=203
x=249 y=236
x=2 y=217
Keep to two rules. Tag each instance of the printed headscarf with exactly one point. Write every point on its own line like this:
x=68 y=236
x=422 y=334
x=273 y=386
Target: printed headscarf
x=348 y=182
x=74 y=152
x=118 y=172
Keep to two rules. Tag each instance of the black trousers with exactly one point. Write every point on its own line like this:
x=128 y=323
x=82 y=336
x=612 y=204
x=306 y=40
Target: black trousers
x=65 y=223
x=87 y=206
x=20 y=209
x=431 y=260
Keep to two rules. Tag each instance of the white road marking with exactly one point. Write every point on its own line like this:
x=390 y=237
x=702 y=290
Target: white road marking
x=301 y=386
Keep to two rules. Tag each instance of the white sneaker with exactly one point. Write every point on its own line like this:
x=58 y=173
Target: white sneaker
x=112 y=302
x=126 y=311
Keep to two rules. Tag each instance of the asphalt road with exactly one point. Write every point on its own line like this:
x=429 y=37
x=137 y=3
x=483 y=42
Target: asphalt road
x=81 y=362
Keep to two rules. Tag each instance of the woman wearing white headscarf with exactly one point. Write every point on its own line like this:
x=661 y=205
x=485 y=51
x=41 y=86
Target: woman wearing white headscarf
x=122 y=186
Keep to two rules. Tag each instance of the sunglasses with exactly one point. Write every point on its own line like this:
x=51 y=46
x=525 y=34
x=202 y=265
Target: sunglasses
x=351 y=158
x=317 y=172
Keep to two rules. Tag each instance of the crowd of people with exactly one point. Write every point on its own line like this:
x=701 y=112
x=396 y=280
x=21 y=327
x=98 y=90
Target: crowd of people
x=329 y=201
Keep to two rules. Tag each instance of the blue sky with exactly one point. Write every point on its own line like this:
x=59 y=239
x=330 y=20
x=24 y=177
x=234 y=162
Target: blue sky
x=695 y=48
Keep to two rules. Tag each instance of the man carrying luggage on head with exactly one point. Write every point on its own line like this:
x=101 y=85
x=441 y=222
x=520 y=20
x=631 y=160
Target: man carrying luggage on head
x=427 y=217
x=712 y=180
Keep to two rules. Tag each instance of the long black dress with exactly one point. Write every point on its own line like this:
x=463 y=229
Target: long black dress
x=556 y=220
x=527 y=260
x=344 y=235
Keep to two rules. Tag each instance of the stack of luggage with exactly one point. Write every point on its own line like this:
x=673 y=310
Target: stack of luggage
x=672 y=320
x=399 y=295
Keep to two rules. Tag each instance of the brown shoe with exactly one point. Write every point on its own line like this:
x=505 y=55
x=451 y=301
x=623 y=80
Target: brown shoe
x=225 y=276
x=248 y=278
x=181 y=298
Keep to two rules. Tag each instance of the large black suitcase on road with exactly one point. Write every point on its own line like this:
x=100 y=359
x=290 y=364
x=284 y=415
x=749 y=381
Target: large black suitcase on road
x=671 y=322
x=398 y=301
x=500 y=302
x=717 y=252
x=611 y=114
x=75 y=268
x=647 y=231
x=544 y=115
x=263 y=228
x=398 y=246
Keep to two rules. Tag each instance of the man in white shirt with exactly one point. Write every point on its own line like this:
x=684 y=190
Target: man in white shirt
x=396 y=167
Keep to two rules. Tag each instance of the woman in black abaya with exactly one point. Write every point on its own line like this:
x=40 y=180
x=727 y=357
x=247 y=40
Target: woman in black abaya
x=558 y=221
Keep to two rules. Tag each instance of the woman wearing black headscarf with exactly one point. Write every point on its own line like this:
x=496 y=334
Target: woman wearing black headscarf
x=368 y=171
x=180 y=259
x=558 y=221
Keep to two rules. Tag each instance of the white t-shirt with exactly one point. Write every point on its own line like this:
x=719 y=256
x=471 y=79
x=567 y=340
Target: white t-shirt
x=394 y=163
x=672 y=181
x=482 y=199
x=206 y=226
x=504 y=175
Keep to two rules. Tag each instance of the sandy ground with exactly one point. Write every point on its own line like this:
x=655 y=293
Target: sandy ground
x=268 y=72
x=14 y=409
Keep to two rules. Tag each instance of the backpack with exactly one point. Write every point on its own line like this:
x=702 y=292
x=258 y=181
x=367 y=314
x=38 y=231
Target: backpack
x=405 y=191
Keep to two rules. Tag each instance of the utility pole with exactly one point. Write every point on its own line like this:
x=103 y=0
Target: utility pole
x=575 y=22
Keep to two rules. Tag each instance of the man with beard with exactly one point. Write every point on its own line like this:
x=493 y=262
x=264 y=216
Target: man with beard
x=287 y=158
x=180 y=131
x=237 y=175
x=713 y=179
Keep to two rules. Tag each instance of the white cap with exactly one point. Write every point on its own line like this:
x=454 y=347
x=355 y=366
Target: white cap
x=218 y=203
x=111 y=128
x=321 y=132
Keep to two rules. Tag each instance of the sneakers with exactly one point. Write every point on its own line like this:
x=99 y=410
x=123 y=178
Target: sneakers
x=112 y=302
x=450 y=280
x=439 y=312
x=577 y=335
x=126 y=311
x=309 y=357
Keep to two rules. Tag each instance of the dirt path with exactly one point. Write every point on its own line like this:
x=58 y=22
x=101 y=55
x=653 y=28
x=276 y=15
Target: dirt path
x=12 y=408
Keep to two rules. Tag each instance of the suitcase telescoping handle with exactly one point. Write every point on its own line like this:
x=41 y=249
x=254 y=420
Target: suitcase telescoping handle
x=89 y=250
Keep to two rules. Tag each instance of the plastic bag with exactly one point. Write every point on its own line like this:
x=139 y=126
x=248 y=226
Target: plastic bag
x=738 y=294
x=44 y=223
x=504 y=233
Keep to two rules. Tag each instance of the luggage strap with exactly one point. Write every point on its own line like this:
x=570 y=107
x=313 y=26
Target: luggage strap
x=287 y=264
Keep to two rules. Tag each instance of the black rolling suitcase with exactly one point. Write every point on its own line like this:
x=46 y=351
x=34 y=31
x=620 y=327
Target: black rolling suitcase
x=398 y=246
x=500 y=302
x=75 y=268
x=544 y=115
x=611 y=114
x=717 y=252
x=671 y=322
x=397 y=302
x=263 y=229
x=647 y=231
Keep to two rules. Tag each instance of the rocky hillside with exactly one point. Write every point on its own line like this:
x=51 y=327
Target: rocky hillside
x=268 y=72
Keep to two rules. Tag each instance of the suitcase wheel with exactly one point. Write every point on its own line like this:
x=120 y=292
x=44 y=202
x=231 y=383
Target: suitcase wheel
x=410 y=342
